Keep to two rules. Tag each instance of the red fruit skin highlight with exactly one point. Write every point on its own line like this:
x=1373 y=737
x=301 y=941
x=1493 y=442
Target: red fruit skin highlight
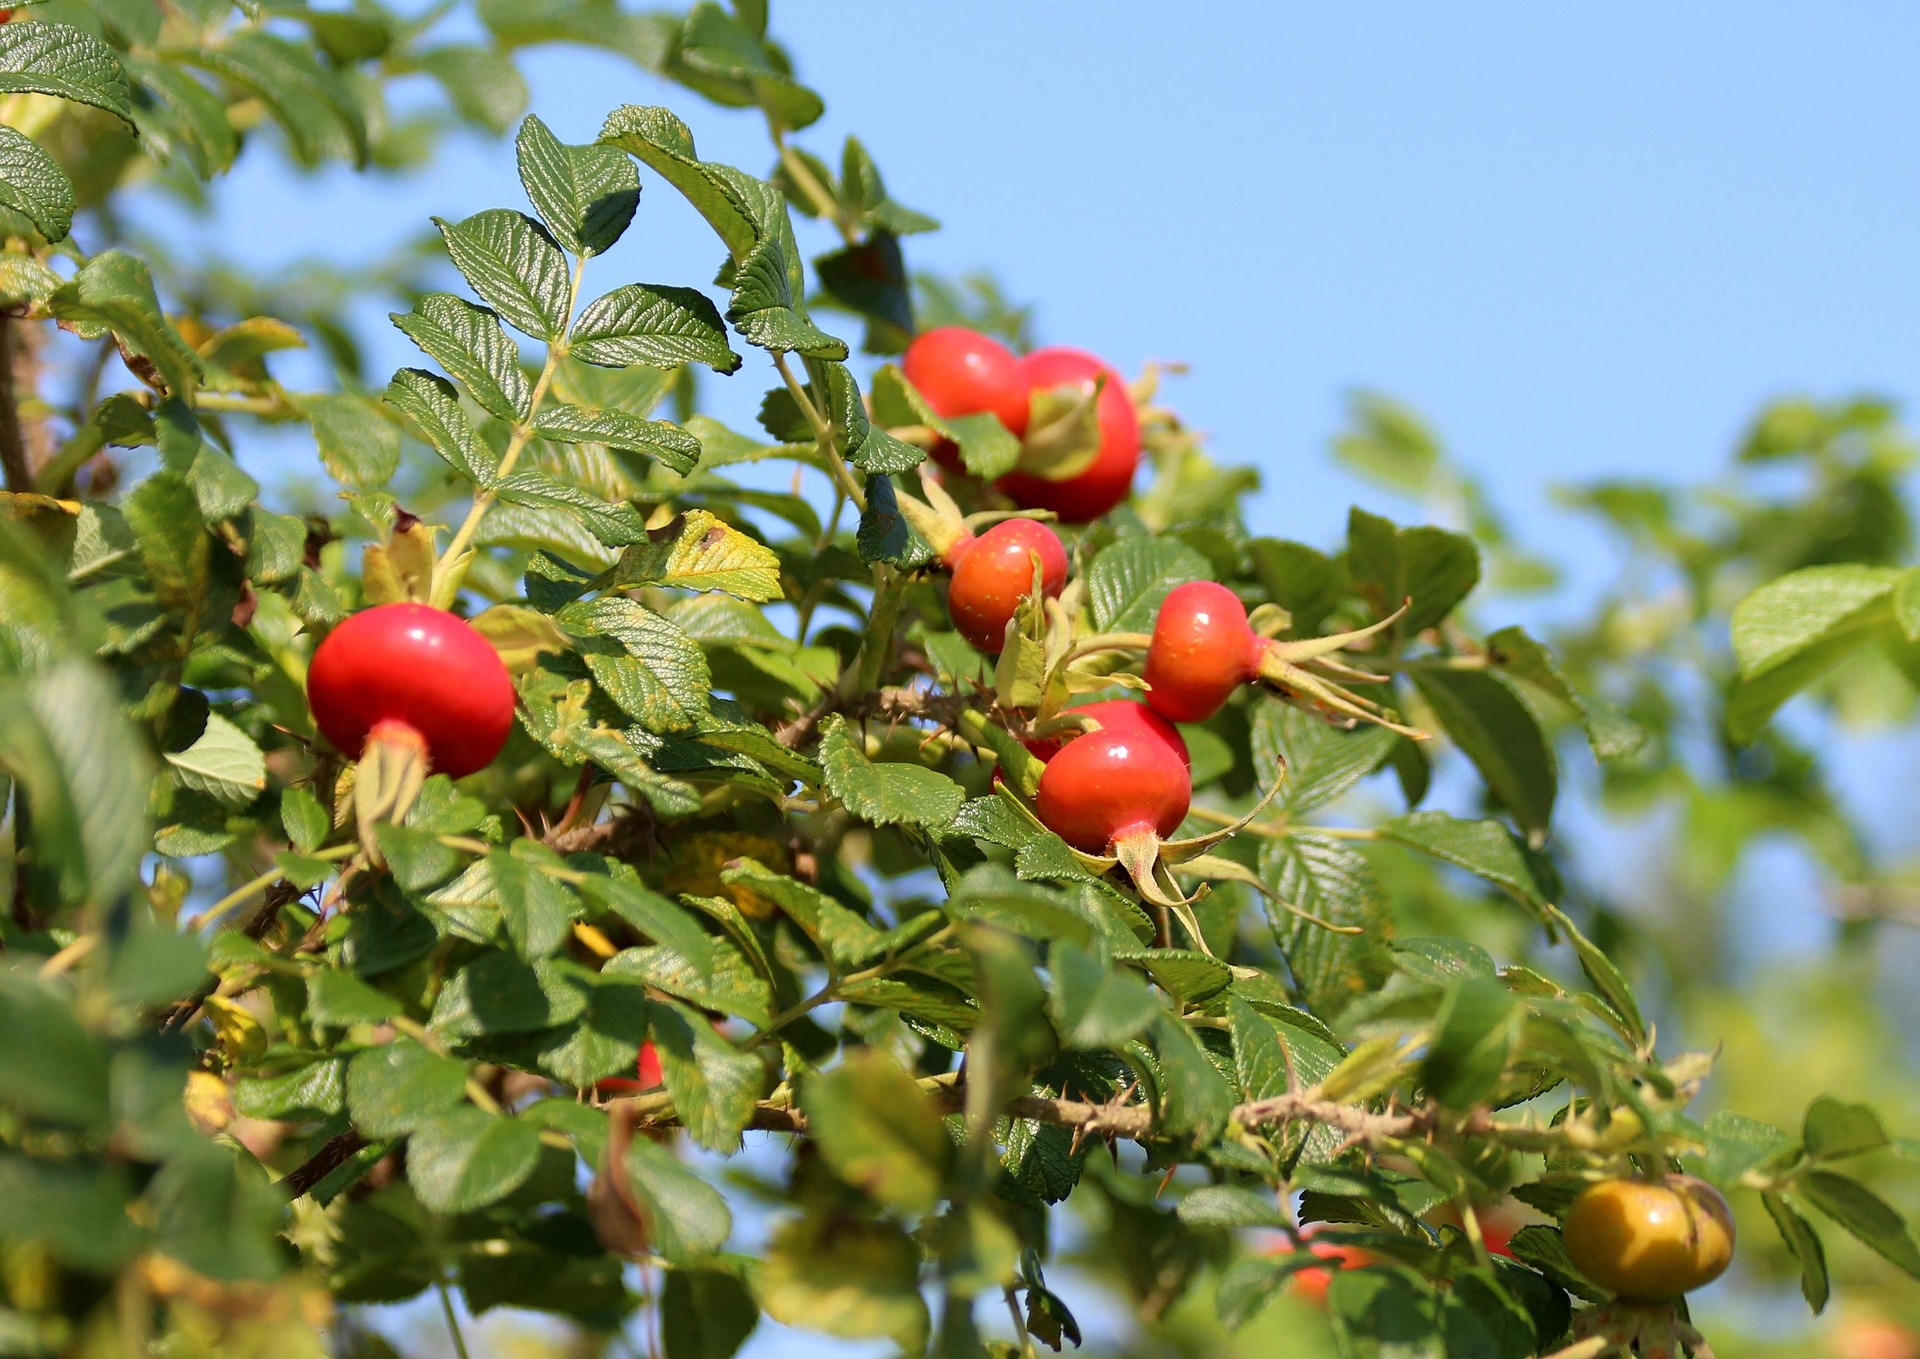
x=1133 y=774
x=962 y=372
x=1202 y=651
x=994 y=572
x=421 y=667
x=1109 y=480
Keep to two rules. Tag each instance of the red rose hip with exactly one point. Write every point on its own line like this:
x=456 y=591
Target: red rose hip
x=1202 y=650
x=1092 y=490
x=418 y=668
x=994 y=572
x=962 y=372
x=1130 y=778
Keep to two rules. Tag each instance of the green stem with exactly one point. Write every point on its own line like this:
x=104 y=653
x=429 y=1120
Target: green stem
x=834 y=465
x=826 y=994
x=449 y=571
x=453 y=1321
x=876 y=645
x=260 y=884
x=809 y=183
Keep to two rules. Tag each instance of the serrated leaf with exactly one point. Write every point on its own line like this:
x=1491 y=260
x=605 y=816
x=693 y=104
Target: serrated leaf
x=1500 y=734
x=1863 y=1213
x=1611 y=733
x=699 y=551
x=68 y=747
x=1792 y=630
x=316 y=1090
x=1129 y=580
x=847 y=940
x=223 y=763
x=1332 y=882
x=686 y=1217
x=1313 y=761
x=879 y=1132
x=655 y=672
x=1094 y=1005
x=515 y=266
x=114 y=290
x=1197 y=1098
x=1803 y=1243
x=499 y=993
x=466 y=1159
x=713 y=1084
x=612 y=525
x=468 y=342
x=310 y=102
x=643 y=323
x=340 y=998
x=359 y=446
x=33 y=184
x=1390 y=565
x=659 y=439
x=57 y=59
x=430 y=402
x=1834 y=1130
x=887 y=794
x=763 y=309
x=587 y=194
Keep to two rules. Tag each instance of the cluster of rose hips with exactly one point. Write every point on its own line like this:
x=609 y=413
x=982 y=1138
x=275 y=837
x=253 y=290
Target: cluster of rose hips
x=1128 y=774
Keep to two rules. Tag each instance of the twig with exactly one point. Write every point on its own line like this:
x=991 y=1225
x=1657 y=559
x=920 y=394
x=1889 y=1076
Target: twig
x=334 y=1153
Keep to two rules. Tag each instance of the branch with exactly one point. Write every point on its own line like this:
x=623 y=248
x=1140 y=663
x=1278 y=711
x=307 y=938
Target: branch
x=17 y=372
x=334 y=1153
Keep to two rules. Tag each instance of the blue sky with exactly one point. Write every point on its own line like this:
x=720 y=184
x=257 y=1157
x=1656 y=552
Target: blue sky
x=1584 y=240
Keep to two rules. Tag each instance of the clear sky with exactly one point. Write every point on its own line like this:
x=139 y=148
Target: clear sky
x=1585 y=240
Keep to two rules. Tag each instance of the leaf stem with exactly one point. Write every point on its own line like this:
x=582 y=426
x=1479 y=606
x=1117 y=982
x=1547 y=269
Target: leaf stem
x=876 y=644
x=450 y=570
x=453 y=1321
x=809 y=183
x=835 y=466
x=260 y=884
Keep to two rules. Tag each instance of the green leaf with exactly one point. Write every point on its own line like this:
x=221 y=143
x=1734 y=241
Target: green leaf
x=466 y=1159
x=1864 y=1214
x=1475 y=1032
x=885 y=535
x=1803 y=1243
x=62 y=1074
x=468 y=342
x=845 y=939
x=888 y=794
x=1129 y=580
x=1485 y=848
x=1094 y=1005
x=83 y=1212
x=184 y=117
x=223 y=763
x=587 y=194
x=723 y=58
x=340 y=998
x=1500 y=734
x=1187 y=976
x=713 y=1084
x=659 y=439
x=845 y=1277
x=499 y=993
x=311 y=103
x=1906 y=604
x=1197 y=1097
x=482 y=83
x=705 y=1314
x=33 y=184
x=115 y=291
x=869 y=278
x=538 y=910
x=316 y=1090
x=602 y=1043
x=879 y=1132
x=1330 y=881
x=515 y=266
x=1432 y=567
x=763 y=309
x=1835 y=1130
x=1612 y=734
x=698 y=551
x=614 y=525
x=305 y=820
x=655 y=672
x=66 y=743
x=430 y=402
x=56 y=59
x=1224 y=1205
x=1792 y=630
x=685 y=1216
x=359 y=446
x=663 y=327
x=1313 y=761
x=1737 y=1144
